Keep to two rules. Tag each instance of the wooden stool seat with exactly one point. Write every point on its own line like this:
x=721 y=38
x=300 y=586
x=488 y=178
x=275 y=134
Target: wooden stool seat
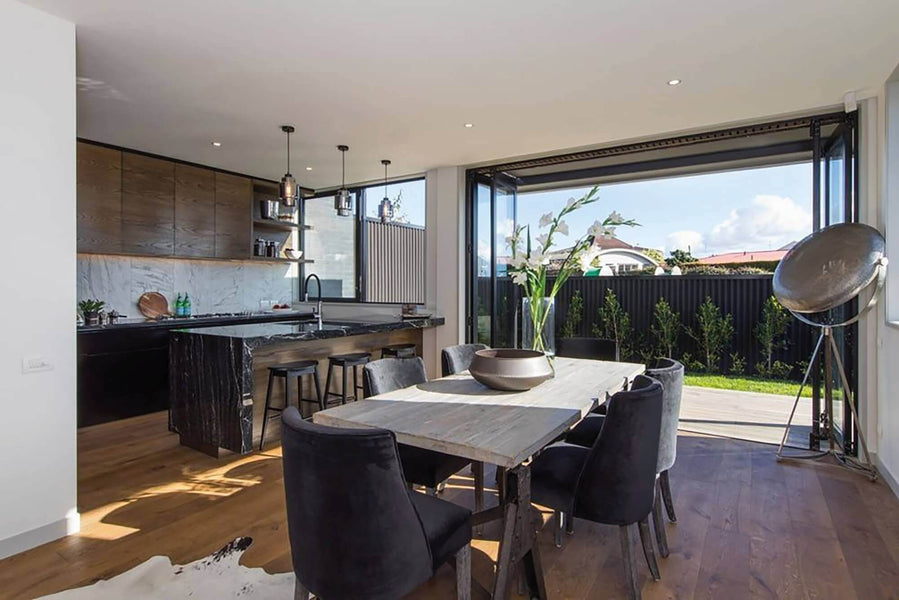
x=354 y=359
x=290 y=371
x=398 y=351
x=300 y=367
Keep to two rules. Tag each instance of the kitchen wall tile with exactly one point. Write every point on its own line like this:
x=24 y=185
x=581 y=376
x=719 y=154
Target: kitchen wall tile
x=152 y=275
x=106 y=278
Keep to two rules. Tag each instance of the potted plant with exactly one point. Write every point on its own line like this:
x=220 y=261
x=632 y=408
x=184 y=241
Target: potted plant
x=530 y=267
x=90 y=311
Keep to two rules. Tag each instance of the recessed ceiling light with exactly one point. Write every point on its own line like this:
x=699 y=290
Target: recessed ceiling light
x=674 y=82
x=308 y=168
x=469 y=125
x=217 y=144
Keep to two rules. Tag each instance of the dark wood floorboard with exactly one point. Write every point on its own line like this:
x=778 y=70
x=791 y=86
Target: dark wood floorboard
x=748 y=526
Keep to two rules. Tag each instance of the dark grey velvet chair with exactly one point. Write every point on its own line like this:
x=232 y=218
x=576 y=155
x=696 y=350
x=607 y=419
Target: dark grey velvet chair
x=614 y=481
x=670 y=373
x=420 y=466
x=456 y=359
x=355 y=530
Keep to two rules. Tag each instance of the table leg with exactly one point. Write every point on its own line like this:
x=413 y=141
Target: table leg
x=519 y=538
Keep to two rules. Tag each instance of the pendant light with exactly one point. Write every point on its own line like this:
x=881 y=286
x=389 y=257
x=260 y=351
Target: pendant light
x=343 y=204
x=385 y=208
x=289 y=191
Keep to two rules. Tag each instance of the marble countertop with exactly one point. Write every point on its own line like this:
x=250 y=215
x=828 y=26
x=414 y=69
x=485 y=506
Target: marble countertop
x=260 y=334
x=142 y=323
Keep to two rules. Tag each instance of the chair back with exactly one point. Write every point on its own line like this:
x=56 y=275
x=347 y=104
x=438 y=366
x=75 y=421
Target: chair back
x=590 y=348
x=354 y=532
x=456 y=359
x=617 y=483
x=388 y=374
x=670 y=374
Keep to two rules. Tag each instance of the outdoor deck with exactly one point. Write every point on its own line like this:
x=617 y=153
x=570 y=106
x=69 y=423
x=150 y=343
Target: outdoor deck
x=745 y=415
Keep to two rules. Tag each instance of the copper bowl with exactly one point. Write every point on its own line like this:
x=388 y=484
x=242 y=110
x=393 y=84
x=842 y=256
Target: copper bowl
x=510 y=369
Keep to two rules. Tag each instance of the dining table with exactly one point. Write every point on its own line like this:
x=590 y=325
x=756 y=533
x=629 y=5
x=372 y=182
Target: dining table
x=457 y=415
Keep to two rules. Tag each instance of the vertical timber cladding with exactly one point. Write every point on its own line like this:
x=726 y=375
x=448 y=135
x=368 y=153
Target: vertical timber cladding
x=394 y=262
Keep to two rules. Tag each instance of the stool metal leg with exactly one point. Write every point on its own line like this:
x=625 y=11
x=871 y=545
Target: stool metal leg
x=318 y=390
x=287 y=391
x=268 y=401
x=343 y=392
x=328 y=384
x=355 y=382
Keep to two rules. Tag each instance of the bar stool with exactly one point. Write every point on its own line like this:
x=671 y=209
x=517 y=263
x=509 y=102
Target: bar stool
x=398 y=351
x=344 y=361
x=289 y=371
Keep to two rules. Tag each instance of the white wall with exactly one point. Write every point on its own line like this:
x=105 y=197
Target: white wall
x=444 y=267
x=37 y=289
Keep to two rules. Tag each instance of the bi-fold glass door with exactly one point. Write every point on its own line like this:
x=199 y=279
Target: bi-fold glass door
x=492 y=296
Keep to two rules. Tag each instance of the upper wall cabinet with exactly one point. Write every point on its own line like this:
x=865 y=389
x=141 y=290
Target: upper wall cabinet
x=99 y=199
x=233 y=211
x=148 y=205
x=194 y=211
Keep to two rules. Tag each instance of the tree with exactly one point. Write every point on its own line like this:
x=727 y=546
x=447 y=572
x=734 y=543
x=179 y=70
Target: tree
x=654 y=254
x=713 y=333
x=770 y=333
x=614 y=324
x=574 y=316
x=665 y=328
x=680 y=258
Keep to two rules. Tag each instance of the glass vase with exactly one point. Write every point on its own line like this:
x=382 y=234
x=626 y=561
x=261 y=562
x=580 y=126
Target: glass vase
x=538 y=325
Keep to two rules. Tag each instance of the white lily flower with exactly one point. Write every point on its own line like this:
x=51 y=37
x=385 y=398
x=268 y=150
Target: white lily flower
x=509 y=240
x=519 y=278
x=519 y=260
x=546 y=219
x=587 y=257
x=537 y=259
x=595 y=230
x=562 y=227
x=614 y=218
x=541 y=239
x=571 y=202
x=608 y=232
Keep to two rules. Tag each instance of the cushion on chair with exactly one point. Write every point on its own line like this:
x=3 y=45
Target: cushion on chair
x=427 y=467
x=447 y=526
x=670 y=373
x=554 y=475
x=585 y=433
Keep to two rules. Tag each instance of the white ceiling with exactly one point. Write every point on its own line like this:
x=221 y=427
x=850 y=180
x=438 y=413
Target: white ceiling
x=398 y=78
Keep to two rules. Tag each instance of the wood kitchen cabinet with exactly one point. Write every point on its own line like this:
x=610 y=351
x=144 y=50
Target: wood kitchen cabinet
x=148 y=205
x=99 y=199
x=233 y=224
x=194 y=211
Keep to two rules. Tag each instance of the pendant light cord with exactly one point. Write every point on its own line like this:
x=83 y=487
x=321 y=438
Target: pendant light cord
x=288 y=152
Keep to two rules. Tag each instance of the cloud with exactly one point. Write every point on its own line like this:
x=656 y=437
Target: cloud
x=769 y=222
x=685 y=240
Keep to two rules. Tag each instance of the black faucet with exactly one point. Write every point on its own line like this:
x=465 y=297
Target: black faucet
x=318 y=306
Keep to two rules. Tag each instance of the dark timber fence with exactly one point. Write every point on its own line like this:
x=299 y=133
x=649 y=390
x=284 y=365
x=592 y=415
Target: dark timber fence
x=742 y=296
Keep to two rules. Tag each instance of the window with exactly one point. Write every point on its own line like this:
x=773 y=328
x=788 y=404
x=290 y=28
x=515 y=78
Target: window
x=331 y=243
x=408 y=198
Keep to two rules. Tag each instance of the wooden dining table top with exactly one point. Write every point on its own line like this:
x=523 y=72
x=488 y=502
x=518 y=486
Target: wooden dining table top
x=457 y=415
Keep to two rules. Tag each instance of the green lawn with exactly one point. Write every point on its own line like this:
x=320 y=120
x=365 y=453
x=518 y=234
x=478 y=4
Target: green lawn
x=746 y=384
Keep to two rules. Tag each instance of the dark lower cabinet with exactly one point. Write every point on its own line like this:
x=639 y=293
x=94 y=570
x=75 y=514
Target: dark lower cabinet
x=122 y=374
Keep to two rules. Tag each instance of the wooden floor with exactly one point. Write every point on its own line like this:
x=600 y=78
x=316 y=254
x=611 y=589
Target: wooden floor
x=745 y=415
x=748 y=527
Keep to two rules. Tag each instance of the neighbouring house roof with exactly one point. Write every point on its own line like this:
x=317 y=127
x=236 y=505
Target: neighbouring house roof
x=743 y=257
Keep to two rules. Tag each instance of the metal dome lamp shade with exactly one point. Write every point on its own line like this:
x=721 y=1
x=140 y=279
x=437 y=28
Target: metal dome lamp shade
x=824 y=271
x=385 y=208
x=343 y=203
x=289 y=191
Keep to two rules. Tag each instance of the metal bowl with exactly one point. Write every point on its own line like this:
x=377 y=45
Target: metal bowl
x=510 y=369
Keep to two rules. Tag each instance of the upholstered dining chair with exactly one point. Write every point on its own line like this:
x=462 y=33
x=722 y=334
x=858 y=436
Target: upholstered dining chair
x=355 y=530
x=420 y=466
x=455 y=359
x=612 y=482
x=670 y=373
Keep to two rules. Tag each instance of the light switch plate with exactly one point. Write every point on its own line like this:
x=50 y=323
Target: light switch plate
x=36 y=364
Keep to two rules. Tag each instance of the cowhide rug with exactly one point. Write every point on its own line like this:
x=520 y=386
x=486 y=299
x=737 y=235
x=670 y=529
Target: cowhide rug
x=216 y=577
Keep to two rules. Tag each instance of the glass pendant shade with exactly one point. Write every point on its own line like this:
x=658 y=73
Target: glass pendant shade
x=385 y=210
x=289 y=191
x=343 y=204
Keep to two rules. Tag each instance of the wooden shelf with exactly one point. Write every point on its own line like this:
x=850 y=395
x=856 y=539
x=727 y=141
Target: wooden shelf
x=279 y=225
x=282 y=260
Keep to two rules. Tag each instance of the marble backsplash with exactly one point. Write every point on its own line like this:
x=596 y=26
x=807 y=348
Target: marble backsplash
x=214 y=286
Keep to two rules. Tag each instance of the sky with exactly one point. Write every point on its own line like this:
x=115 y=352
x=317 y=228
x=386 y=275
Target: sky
x=713 y=213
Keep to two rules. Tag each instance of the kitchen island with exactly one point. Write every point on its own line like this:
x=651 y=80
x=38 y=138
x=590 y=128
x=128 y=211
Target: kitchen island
x=218 y=375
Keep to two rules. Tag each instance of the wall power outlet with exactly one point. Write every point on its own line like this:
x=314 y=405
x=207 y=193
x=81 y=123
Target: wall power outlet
x=35 y=364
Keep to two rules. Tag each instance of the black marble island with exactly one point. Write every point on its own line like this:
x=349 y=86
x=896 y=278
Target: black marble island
x=218 y=375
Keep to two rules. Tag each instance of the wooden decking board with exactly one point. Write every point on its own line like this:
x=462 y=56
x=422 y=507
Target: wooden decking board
x=748 y=527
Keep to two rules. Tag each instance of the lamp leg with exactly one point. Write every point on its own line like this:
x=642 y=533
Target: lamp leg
x=808 y=372
x=851 y=401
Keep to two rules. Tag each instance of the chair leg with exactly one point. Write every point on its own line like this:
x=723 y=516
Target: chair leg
x=463 y=573
x=630 y=563
x=559 y=521
x=569 y=524
x=268 y=400
x=431 y=491
x=318 y=390
x=658 y=524
x=441 y=486
x=648 y=552
x=665 y=484
x=300 y=592
x=287 y=392
x=343 y=397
